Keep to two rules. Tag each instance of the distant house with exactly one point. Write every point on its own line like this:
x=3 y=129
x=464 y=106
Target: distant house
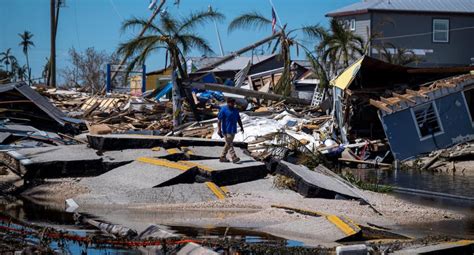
x=441 y=32
x=431 y=118
x=158 y=79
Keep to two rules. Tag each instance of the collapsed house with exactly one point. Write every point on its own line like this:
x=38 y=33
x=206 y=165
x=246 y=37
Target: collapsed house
x=22 y=104
x=431 y=118
x=400 y=93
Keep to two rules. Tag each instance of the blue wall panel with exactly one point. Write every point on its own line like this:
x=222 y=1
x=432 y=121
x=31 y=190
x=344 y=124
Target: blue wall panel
x=401 y=131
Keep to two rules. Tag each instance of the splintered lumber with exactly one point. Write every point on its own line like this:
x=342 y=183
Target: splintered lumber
x=389 y=101
x=416 y=93
x=380 y=105
x=404 y=97
x=249 y=93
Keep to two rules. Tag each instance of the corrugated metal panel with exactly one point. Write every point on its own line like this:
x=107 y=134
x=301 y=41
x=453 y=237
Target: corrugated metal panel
x=453 y=6
x=38 y=100
x=240 y=62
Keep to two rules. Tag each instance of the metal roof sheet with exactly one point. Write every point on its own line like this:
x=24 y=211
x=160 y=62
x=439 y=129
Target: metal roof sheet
x=449 y=6
x=38 y=100
x=240 y=62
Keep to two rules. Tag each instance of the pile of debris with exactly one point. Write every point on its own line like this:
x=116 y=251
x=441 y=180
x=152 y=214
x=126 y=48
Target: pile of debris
x=455 y=160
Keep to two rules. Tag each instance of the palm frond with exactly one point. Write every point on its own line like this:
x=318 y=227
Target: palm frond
x=169 y=24
x=249 y=20
x=198 y=19
x=314 y=31
x=194 y=41
x=140 y=23
x=139 y=44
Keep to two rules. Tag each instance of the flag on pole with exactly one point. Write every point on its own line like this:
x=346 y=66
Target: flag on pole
x=152 y=4
x=274 y=21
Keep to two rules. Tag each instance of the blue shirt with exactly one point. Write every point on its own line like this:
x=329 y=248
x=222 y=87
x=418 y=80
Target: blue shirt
x=228 y=117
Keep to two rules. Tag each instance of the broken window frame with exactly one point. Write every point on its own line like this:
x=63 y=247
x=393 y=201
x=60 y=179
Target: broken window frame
x=438 y=120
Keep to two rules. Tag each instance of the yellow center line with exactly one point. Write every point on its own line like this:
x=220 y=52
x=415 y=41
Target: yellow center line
x=339 y=223
x=164 y=162
x=218 y=192
x=193 y=164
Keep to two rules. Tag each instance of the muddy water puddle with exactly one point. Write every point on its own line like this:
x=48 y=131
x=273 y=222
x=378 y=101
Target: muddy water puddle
x=41 y=215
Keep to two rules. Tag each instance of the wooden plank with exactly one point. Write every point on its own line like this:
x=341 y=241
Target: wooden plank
x=404 y=97
x=380 y=105
x=389 y=101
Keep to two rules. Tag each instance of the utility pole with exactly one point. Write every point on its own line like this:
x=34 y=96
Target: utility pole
x=52 y=59
x=218 y=35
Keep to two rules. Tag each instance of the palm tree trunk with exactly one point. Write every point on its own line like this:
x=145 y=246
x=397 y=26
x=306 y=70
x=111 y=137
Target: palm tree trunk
x=28 y=66
x=175 y=90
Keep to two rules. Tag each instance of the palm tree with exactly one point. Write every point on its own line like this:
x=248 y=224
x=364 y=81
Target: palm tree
x=341 y=45
x=398 y=56
x=286 y=40
x=7 y=58
x=19 y=72
x=255 y=20
x=336 y=49
x=26 y=43
x=177 y=37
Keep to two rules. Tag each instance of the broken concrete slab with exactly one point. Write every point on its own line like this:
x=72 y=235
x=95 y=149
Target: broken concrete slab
x=68 y=161
x=121 y=195
x=224 y=173
x=214 y=152
x=122 y=142
x=316 y=183
x=149 y=181
x=314 y=228
x=129 y=177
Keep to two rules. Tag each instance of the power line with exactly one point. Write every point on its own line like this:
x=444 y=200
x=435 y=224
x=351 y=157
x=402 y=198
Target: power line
x=420 y=34
x=116 y=10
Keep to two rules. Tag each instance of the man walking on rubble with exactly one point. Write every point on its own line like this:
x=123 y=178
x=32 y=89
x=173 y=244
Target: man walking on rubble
x=227 y=128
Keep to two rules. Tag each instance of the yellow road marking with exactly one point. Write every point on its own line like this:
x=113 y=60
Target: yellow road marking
x=165 y=163
x=193 y=164
x=339 y=223
x=173 y=151
x=218 y=192
x=225 y=189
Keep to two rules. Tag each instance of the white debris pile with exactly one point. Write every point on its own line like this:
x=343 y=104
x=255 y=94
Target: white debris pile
x=257 y=127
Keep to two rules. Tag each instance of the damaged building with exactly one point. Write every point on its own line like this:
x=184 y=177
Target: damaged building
x=432 y=118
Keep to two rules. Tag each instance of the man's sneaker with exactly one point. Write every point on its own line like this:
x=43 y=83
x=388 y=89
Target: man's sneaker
x=236 y=160
x=223 y=160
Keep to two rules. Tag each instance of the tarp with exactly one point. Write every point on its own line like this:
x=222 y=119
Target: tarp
x=164 y=91
x=345 y=78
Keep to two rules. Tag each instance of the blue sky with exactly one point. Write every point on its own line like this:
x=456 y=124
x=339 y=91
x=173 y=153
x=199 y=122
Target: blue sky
x=96 y=23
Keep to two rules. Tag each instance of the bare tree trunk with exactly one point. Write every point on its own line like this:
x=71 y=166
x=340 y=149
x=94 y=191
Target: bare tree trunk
x=28 y=66
x=176 y=96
